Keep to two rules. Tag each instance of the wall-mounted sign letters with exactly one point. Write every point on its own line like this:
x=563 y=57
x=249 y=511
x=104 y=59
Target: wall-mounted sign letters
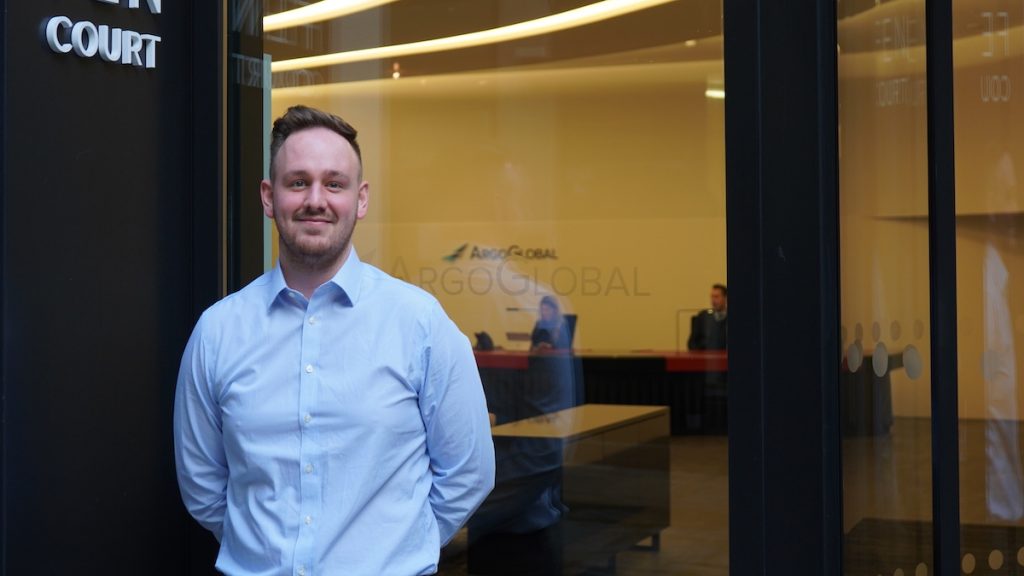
x=154 y=5
x=89 y=40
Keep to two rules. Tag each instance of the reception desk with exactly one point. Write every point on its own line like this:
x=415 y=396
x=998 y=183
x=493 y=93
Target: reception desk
x=522 y=385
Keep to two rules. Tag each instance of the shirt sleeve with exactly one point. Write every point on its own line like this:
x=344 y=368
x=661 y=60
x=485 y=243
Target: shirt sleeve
x=198 y=445
x=458 y=429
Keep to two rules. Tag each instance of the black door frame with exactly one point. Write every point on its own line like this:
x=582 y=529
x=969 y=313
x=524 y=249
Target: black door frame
x=785 y=494
x=244 y=128
x=942 y=288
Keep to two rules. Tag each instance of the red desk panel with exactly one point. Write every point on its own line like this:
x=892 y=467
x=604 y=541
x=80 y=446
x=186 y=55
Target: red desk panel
x=674 y=361
x=697 y=362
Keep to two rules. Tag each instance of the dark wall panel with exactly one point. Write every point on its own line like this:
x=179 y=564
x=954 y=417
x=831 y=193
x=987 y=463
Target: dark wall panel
x=102 y=277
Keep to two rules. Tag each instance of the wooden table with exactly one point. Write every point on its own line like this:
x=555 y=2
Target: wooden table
x=613 y=480
x=581 y=421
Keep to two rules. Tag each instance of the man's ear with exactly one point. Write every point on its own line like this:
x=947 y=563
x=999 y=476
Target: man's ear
x=267 y=198
x=363 y=202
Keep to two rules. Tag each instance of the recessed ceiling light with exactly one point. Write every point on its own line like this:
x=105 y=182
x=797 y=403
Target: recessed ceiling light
x=596 y=12
x=318 y=12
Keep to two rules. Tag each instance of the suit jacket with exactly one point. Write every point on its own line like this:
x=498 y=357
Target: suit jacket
x=706 y=333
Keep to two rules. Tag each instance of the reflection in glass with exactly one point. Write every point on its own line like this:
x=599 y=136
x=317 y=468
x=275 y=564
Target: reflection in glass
x=885 y=394
x=988 y=50
x=562 y=195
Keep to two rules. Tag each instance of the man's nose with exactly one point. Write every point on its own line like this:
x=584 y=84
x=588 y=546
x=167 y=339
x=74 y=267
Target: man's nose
x=316 y=196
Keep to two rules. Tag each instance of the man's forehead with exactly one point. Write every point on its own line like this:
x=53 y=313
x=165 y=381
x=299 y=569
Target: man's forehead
x=317 y=149
x=318 y=139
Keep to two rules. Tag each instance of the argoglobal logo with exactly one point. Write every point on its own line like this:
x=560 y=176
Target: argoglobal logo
x=490 y=279
x=511 y=252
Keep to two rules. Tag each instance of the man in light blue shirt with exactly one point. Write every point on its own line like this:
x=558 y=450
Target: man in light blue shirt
x=329 y=419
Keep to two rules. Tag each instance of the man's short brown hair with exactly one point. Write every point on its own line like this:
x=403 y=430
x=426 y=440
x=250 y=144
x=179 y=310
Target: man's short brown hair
x=299 y=118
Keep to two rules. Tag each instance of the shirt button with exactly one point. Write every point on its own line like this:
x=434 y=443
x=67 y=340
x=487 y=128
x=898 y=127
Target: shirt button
x=309 y=368
x=308 y=520
x=307 y=418
x=309 y=468
x=312 y=320
x=302 y=571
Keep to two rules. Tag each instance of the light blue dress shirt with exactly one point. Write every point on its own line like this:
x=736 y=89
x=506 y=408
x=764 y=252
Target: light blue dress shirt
x=347 y=434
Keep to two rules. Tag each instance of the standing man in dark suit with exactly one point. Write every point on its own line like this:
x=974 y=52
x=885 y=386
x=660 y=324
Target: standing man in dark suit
x=709 y=329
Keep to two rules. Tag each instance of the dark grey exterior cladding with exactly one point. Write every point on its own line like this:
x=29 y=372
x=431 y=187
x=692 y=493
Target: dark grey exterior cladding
x=111 y=188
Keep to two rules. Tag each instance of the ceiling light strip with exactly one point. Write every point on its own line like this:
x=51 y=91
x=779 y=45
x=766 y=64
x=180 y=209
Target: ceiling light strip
x=582 y=16
x=318 y=12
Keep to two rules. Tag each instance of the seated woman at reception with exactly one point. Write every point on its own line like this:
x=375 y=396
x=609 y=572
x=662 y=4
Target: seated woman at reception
x=551 y=330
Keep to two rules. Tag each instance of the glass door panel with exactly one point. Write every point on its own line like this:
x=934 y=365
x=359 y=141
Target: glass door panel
x=883 y=199
x=988 y=57
x=584 y=166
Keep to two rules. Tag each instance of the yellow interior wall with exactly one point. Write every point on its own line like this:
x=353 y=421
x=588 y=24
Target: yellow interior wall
x=884 y=226
x=617 y=169
x=620 y=170
x=990 y=154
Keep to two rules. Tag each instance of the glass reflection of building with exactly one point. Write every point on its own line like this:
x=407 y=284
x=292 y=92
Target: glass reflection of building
x=988 y=46
x=885 y=242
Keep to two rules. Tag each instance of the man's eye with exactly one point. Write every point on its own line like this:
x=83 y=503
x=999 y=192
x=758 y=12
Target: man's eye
x=335 y=185
x=298 y=184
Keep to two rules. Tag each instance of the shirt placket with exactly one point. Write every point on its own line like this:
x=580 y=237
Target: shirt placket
x=310 y=485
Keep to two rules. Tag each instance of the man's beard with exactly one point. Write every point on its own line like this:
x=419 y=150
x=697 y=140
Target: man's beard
x=325 y=254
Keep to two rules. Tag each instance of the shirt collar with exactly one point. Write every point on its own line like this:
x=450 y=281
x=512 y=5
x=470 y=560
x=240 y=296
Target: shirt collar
x=275 y=285
x=347 y=278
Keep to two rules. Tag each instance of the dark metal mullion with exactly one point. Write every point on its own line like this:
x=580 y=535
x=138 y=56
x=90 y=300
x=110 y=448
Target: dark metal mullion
x=743 y=151
x=831 y=353
x=3 y=292
x=942 y=281
x=782 y=232
x=244 y=144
